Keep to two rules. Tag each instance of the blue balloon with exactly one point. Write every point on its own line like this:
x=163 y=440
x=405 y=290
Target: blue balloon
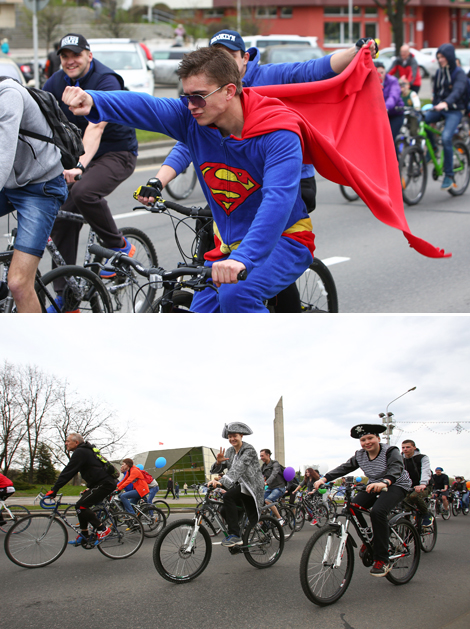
x=359 y=479
x=160 y=462
x=140 y=466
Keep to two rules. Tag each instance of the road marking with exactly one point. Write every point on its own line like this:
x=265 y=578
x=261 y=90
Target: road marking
x=149 y=167
x=334 y=260
x=129 y=214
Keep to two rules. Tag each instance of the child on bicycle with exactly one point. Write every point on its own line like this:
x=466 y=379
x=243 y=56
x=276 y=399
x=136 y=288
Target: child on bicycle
x=383 y=466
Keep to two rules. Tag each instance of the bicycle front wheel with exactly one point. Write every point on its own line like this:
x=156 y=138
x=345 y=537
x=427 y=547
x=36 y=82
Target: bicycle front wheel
x=428 y=536
x=348 y=193
x=317 y=289
x=83 y=292
x=455 y=508
x=404 y=551
x=152 y=519
x=287 y=514
x=133 y=292
x=163 y=506
x=265 y=542
x=445 y=514
x=181 y=187
x=178 y=558
x=299 y=517
x=321 y=515
x=413 y=174
x=36 y=541
x=322 y=581
x=461 y=158
x=17 y=511
x=126 y=537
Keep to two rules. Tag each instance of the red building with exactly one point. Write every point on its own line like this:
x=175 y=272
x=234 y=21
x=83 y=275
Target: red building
x=427 y=23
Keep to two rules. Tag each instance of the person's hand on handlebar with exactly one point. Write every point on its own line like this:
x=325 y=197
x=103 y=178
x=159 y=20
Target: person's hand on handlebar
x=144 y=195
x=214 y=483
x=50 y=494
x=226 y=271
x=319 y=482
x=376 y=488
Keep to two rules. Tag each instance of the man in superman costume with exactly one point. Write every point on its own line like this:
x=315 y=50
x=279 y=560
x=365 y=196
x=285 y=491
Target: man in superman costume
x=249 y=149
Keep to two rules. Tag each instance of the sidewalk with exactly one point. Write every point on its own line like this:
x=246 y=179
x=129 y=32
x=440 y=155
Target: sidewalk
x=154 y=152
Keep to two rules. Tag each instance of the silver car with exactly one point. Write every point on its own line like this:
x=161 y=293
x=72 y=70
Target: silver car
x=166 y=62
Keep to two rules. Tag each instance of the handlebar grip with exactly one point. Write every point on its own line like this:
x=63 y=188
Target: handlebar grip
x=77 y=177
x=242 y=275
x=102 y=252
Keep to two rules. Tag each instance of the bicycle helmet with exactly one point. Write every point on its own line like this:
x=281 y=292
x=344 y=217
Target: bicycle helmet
x=239 y=427
x=367 y=429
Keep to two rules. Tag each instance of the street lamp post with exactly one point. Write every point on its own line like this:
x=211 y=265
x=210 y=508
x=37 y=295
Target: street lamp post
x=387 y=417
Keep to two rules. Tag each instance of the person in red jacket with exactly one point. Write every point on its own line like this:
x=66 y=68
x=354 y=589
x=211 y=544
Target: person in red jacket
x=407 y=66
x=133 y=475
x=6 y=490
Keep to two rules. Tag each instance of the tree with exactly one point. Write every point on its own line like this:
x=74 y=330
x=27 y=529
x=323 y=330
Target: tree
x=45 y=472
x=395 y=10
x=12 y=429
x=52 y=21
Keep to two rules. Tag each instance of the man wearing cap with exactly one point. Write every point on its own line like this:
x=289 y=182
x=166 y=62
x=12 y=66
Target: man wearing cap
x=460 y=485
x=243 y=481
x=440 y=483
x=110 y=152
x=418 y=467
x=383 y=466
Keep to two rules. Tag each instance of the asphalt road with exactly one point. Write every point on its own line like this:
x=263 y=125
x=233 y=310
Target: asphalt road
x=85 y=589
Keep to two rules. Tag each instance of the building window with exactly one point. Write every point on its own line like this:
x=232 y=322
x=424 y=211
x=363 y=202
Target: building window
x=214 y=13
x=286 y=12
x=338 y=32
x=340 y=11
x=465 y=31
x=370 y=30
x=370 y=11
x=266 y=12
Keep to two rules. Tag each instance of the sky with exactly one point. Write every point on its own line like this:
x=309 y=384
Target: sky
x=178 y=380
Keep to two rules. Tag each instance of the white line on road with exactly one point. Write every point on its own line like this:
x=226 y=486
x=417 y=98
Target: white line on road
x=334 y=260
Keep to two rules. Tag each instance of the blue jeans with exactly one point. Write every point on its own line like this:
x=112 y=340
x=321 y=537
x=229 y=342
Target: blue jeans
x=36 y=205
x=452 y=121
x=152 y=493
x=274 y=494
x=129 y=498
x=288 y=260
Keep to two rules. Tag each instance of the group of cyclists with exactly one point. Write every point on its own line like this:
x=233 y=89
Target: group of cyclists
x=249 y=150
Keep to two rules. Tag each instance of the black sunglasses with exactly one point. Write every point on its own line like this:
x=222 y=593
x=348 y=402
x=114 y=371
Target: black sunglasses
x=196 y=99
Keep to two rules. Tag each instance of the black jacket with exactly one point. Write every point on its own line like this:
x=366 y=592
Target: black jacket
x=450 y=83
x=85 y=462
x=273 y=475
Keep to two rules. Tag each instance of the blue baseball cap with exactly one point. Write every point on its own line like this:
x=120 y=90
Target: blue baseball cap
x=440 y=469
x=229 y=39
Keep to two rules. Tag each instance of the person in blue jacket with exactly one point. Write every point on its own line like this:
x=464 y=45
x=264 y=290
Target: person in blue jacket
x=449 y=102
x=249 y=165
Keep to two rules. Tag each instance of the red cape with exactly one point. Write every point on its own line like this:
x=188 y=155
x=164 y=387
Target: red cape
x=345 y=134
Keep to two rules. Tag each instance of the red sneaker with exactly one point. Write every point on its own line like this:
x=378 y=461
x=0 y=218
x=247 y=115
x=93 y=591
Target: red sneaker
x=100 y=535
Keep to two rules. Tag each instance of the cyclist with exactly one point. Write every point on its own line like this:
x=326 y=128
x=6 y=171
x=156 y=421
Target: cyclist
x=100 y=484
x=392 y=97
x=310 y=477
x=140 y=489
x=449 y=102
x=275 y=483
x=419 y=468
x=31 y=184
x=6 y=491
x=383 y=466
x=460 y=485
x=440 y=482
x=252 y=186
x=243 y=480
x=110 y=153
x=407 y=67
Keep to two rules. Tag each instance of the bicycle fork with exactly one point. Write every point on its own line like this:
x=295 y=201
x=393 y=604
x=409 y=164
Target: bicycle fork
x=191 y=535
x=341 y=547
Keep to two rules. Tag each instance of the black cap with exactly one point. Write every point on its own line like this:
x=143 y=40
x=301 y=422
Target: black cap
x=73 y=42
x=367 y=429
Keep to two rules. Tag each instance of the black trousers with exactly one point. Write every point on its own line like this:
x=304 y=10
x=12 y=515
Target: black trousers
x=90 y=498
x=87 y=197
x=380 y=508
x=233 y=501
x=170 y=490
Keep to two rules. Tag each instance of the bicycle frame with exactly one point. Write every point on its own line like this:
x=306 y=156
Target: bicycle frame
x=423 y=131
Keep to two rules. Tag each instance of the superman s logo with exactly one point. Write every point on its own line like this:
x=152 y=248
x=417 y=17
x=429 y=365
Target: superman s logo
x=230 y=187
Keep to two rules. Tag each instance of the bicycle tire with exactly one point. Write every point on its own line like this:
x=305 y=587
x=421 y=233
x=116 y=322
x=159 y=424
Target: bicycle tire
x=321 y=582
x=348 y=193
x=38 y=544
x=265 y=542
x=332 y=509
x=153 y=520
x=461 y=156
x=428 y=537
x=413 y=174
x=322 y=515
x=18 y=512
x=92 y=298
x=170 y=558
x=163 y=506
x=455 y=509
x=445 y=515
x=300 y=516
x=181 y=187
x=287 y=514
x=126 y=537
x=134 y=293
x=403 y=537
x=70 y=514
x=317 y=289
x=178 y=301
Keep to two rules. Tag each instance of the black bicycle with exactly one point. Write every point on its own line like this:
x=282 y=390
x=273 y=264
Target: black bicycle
x=427 y=534
x=182 y=551
x=327 y=562
x=436 y=505
x=458 y=506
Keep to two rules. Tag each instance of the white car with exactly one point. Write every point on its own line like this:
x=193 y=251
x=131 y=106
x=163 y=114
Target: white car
x=263 y=41
x=126 y=58
x=431 y=53
x=387 y=55
x=463 y=54
x=166 y=62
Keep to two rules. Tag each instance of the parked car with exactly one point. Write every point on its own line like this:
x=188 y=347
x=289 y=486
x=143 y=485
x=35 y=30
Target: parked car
x=431 y=53
x=387 y=55
x=127 y=58
x=263 y=41
x=9 y=68
x=290 y=54
x=463 y=54
x=166 y=62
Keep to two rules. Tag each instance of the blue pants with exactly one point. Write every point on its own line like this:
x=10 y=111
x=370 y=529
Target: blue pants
x=129 y=498
x=452 y=121
x=152 y=493
x=287 y=262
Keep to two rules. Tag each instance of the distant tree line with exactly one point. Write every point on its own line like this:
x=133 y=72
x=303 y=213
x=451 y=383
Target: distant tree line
x=37 y=412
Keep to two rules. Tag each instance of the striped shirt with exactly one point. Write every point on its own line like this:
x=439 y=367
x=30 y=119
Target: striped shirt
x=376 y=470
